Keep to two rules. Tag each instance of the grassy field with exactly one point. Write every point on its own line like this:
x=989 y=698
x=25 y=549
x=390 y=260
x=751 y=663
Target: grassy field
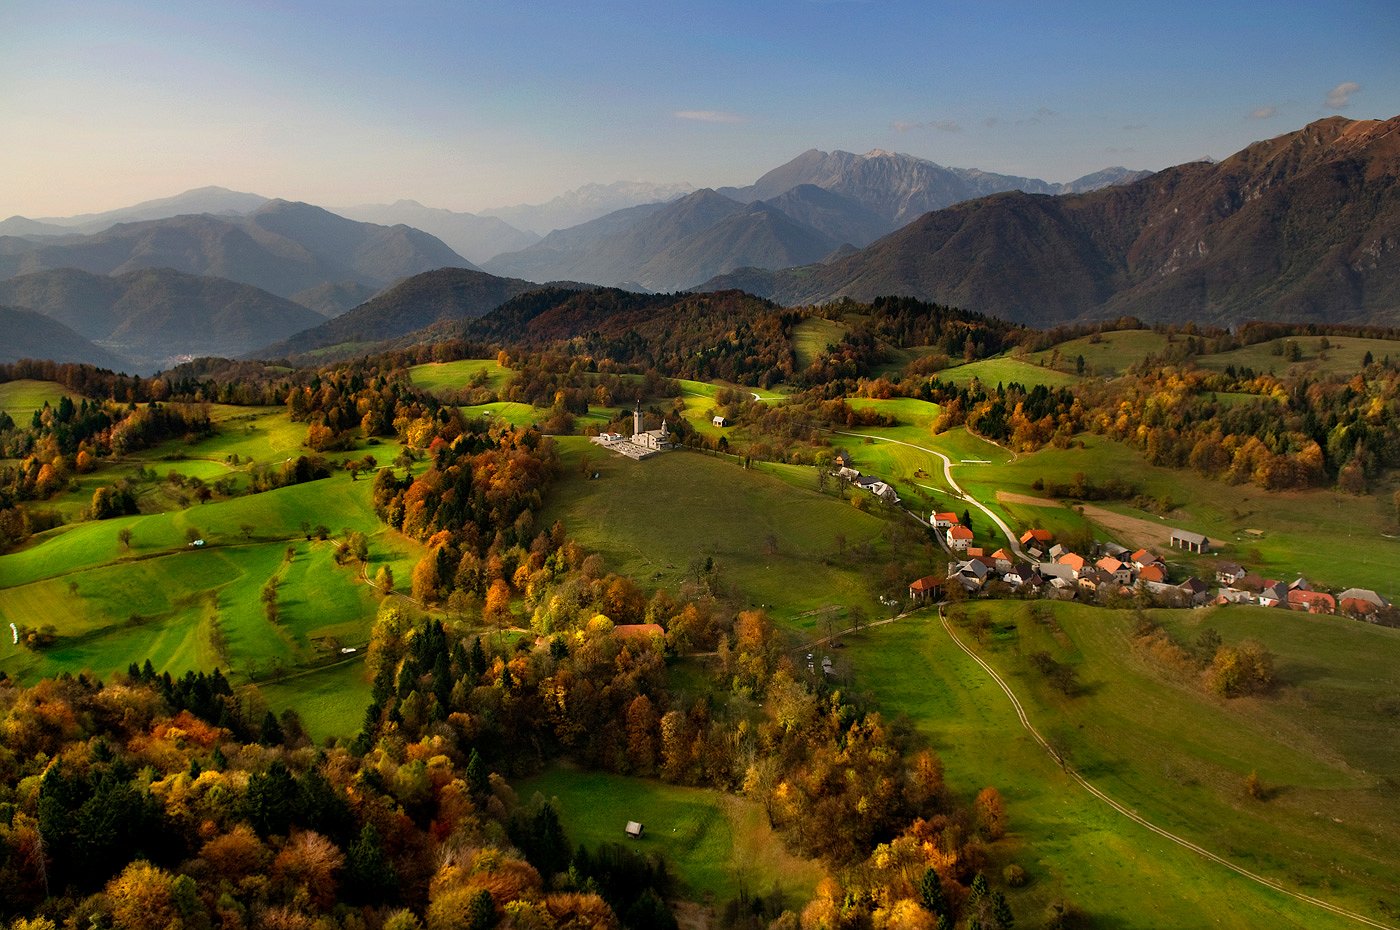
x=330 y=701
x=656 y=520
x=716 y=843
x=1105 y=355
x=811 y=337
x=435 y=376
x=1299 y=532
x=1344 y=355
x=1005 y=370
x=186 y=608
x=21 y=398
x=1072 y=845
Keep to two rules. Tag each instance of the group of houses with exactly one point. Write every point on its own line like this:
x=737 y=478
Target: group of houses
x=1240 y=586
x=876 y=487
x=1047 y=568
x=1051 y=570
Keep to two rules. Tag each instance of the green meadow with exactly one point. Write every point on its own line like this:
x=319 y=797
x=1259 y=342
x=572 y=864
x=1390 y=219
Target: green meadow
x=1006 y=370
x=22 y=397
x=1344 y=355
x=1162 y=747
x=771 y=535
x=812 y=336
x=1105 y=354
x=716 y=843
x=437 y=376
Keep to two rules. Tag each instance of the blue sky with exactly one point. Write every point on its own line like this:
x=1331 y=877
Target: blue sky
x=470 y=105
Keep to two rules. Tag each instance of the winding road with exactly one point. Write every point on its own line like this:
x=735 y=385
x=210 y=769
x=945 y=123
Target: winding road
x=1084 y=783
x=948 y=463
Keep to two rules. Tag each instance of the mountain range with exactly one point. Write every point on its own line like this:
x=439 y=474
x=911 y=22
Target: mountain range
x=1301 y=227
x=32 y=335
x=798 y=213
x=288 y=249
x=586 y=203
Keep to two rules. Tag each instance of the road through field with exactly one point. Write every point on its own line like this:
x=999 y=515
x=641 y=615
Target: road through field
x=948 y=463
x=1134 y=815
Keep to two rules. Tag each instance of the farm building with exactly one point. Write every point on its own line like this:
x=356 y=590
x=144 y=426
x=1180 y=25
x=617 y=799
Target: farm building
x=718 y=420
x=959 y=537
x=923 y=588
x=634 y=829
x=1191 y=542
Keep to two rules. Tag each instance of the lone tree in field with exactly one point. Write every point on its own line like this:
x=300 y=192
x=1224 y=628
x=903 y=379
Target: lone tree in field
x=124 y=534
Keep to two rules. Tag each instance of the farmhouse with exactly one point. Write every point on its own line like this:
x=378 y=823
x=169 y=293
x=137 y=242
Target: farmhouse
x=1191 y=542
x=843 y=459
x=1038 y=538
x=944 y=520
x=1314 y=602
x=1361 y=602
x=1227 y=573
x=959 y=537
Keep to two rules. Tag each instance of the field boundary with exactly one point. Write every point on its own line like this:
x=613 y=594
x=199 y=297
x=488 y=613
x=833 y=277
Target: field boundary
x=1134 y=815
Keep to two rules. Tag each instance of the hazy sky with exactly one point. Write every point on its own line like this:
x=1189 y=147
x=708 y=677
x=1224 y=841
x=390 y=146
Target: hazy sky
x=471 y=105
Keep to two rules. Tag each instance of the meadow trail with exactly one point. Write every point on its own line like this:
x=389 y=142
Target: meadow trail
x=1134 y=815
x=948 y=463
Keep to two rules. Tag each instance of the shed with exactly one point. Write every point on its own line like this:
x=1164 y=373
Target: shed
x=634 y=829
x=1191 y=542
x=718 y=420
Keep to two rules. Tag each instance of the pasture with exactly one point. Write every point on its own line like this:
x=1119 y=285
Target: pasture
x=812 y=336
x=1343 y=356
x=437 y=376
x=1105 y=354
x=20 y=398
x=716 y=843
x=195 y=608
x=659 y=520
x=1072 y=846
x=1007 y=370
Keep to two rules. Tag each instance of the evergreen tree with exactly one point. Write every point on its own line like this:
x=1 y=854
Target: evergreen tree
x=370 y=878
x=931 y=893
x=481 y=911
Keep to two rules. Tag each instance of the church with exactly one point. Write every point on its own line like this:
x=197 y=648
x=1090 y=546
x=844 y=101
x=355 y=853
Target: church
x=656 y=440
x=642 y=443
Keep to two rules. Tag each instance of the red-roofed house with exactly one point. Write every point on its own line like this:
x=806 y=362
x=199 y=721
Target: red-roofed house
x=1314 y=602
x=1037 y=537
x=959 y=537
x=945 y=520
x=1153 y=572
x=1073 y=560
x=1120 y=572
x=1142 y=558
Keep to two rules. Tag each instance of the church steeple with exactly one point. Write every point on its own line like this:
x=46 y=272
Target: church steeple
x=637 y=418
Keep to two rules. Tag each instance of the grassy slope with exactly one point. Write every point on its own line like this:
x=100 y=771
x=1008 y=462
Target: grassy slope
x=811 y=337
x=717 y=843
x=1005 y=370
x=21 y=398
x=1343 y=356
x=164 y=601
x=652 y=519
x=435 y=376
x=1110 y=355
x=1072 y=845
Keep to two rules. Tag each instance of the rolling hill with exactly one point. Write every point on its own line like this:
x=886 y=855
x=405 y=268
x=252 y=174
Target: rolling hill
x=151 y=317
x=282 y=247
x=1297 y=228
x=33 y=335
x=420 y=301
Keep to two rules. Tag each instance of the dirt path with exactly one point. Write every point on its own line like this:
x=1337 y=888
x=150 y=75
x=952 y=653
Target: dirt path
x=1133 y=531
x=1133 y=815
x=1011 y=497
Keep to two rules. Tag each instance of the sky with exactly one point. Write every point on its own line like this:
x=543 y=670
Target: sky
x=471 y=105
